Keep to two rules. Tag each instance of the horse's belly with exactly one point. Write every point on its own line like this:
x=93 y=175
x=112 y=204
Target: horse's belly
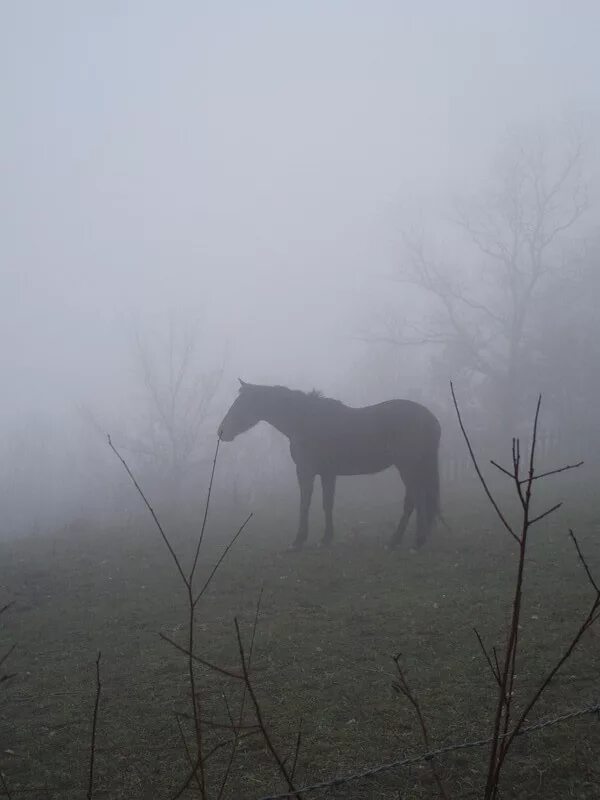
x=360 y=466
x=346 y=452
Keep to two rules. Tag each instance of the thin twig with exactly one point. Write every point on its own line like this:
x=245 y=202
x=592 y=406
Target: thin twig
x=402 y=686
x=296 y=750
x=222 y=558
x=259 y=717
x=164 y=536
x=502 y=469
x=478 y=470
x=556 y=471
x=9 y=652
x=202 y=661
x=545 y=513
x=236 y=738
x=516 y=449
x=496 y=660
x=584 y=562
x=206 y=508
x=228 y=708
x=94 y=726
x=255 y=625
x=536 y=418
x=494 y=672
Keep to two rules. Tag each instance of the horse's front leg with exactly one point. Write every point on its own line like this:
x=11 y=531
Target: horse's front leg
x=328 y=485
x=409 y=507
x=306 y=480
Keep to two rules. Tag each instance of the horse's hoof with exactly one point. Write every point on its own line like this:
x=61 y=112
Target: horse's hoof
x=294 y=548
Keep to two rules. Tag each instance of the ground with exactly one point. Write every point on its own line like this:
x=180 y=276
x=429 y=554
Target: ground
x=328 y=625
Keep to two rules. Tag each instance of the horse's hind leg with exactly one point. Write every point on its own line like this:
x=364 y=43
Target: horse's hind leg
x=328 y=485
x=306 y=481
x=409 y=507
x=425 y=520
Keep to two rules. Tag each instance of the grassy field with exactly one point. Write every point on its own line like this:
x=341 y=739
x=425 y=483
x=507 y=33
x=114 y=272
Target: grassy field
x=329 y=623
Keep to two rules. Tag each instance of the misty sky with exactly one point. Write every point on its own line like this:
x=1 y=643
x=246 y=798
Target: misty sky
x=247 y=160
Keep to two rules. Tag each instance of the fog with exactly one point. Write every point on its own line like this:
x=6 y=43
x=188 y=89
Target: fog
x=247 y=171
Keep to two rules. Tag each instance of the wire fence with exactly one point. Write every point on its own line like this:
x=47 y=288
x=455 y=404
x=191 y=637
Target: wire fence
x=371 y=772
x=362 y=774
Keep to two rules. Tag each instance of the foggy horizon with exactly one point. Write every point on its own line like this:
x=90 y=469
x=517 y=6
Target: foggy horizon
x=253 y=168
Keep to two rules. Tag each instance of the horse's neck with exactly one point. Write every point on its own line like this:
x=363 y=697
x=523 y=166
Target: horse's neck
x=286 y=417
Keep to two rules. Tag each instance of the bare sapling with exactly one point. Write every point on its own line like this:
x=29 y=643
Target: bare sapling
x=199 y=755
x=508 y=721
x=194 y=594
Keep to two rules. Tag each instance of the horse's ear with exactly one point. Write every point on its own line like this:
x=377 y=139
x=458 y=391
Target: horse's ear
x=242 y=383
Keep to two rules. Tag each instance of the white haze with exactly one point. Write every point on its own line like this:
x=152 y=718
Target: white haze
x=246 y=163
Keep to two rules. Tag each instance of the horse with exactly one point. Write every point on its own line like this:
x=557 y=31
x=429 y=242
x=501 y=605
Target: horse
x=328 y=438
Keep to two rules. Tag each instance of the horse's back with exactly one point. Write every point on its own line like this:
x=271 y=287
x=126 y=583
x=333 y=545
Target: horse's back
x=406 y=431
x=402 y=416
x=368 y=439
x=391 y=417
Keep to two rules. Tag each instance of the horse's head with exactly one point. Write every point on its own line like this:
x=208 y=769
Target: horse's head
x=244 y=414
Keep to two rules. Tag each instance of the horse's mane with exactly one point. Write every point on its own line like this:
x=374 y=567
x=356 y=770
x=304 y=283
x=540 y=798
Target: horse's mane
x=314 y=396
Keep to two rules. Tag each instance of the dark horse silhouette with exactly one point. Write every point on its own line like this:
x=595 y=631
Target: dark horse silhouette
x=328 y=438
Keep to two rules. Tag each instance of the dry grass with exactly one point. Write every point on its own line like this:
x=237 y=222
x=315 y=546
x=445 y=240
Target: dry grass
x=329 y=624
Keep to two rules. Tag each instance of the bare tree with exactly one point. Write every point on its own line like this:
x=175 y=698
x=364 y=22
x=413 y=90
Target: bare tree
x=518 y=231
x=178 y=392
x=568 y=346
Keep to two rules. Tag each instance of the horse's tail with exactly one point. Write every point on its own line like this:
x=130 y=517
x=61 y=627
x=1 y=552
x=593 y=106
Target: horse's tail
x=428 y=494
